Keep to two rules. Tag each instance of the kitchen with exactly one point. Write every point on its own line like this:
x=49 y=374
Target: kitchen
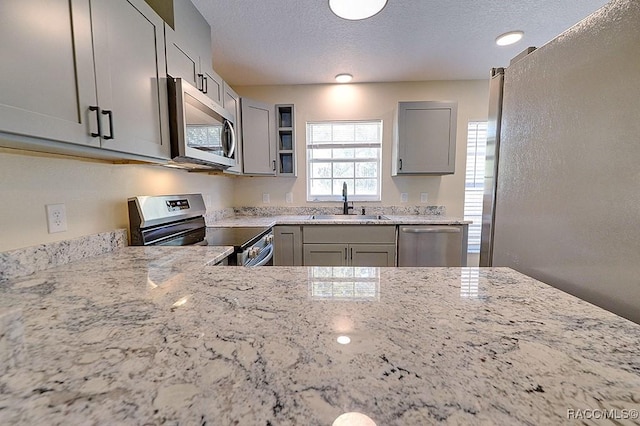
x=97 y=189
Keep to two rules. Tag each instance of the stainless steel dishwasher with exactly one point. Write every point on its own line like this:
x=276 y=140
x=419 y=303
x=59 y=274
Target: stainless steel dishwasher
x=432 y=245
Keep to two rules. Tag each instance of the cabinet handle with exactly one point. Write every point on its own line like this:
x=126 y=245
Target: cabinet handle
x=200 y=79
x=274 y=165
x=110 y=114
x=345 y=253
x=205 y=85
x=401 y=164
x=351 y=253
x=97 y=110
x=441 y=230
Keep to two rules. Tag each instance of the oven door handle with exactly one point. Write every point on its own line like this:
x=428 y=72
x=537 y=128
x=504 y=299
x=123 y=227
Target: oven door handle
x=263 y=260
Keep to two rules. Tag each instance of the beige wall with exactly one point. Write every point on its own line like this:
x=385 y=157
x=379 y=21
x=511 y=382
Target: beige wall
x=369 y=101
x=94 y=193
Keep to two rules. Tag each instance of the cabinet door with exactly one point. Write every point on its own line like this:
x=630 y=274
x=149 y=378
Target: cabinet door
x=325 y=254
x=192 y=31
x=258 y=138
x=288 y=246
x=231 y=102
x=211 y=84
x=181 y=63
x=46 y=65
x=426 y=138
x=372 y=254
x=130 y=76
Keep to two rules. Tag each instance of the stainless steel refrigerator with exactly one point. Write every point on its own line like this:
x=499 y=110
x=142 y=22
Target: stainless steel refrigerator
x=565 y=207
x=491 y=168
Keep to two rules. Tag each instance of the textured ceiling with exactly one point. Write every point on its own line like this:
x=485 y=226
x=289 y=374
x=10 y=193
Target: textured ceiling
x=267 y=42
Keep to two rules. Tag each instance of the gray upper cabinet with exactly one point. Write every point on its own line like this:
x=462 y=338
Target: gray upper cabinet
x=425 y=138
x=132 y=92
x=258 y=138
x=52 y=90
x=47 y=82
x=189 y=50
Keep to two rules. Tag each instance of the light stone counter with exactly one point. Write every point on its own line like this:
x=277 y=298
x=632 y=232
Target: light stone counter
x=268 y=221
x=152 y=336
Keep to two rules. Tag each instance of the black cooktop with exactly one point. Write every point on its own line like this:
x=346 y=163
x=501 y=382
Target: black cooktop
x=239 y=237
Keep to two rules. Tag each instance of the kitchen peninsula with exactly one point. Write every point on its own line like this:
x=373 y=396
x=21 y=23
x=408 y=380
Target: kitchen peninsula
x=152 y=335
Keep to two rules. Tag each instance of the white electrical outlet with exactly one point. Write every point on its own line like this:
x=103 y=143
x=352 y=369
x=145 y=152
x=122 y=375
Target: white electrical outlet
x=56 y=218
x=424 y=197
x=288 y=197
x=404 y=197
x=266 y=199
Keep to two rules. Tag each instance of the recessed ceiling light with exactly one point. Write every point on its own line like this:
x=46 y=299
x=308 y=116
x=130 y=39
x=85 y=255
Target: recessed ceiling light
x=344 y=78
x=355 y=10
x=509 y=38
x=344 y=340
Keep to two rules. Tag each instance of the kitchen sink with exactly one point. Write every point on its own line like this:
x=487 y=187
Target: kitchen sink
x=354 y=217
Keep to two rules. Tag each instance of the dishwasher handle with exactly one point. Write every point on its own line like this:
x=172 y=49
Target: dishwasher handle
x=431 y=230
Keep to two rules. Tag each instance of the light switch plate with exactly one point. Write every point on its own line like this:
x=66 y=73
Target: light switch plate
x=404 y=197
x=424 y=197
x=266 y=198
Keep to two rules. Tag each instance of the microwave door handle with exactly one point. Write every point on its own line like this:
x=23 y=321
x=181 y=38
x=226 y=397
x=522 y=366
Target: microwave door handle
x=233 y=139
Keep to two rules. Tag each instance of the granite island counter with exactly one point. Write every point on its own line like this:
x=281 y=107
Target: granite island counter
x=150 y=335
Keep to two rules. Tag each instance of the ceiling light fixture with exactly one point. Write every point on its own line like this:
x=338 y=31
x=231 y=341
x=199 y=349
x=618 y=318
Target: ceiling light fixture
x=344 y=78
x=354 y=10
x=509 y=38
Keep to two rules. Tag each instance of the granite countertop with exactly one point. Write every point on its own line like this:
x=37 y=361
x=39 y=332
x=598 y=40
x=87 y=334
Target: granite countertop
x=150 y=335
x=267 y=221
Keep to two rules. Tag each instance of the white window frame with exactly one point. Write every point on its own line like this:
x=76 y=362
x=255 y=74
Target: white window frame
x=474 y=181
x=342 y=144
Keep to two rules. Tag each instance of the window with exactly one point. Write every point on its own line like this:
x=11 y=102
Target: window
x=344 y=151
x=474 y=181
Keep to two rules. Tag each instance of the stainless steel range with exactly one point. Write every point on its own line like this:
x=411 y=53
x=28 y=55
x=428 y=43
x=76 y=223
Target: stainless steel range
x=178 y=220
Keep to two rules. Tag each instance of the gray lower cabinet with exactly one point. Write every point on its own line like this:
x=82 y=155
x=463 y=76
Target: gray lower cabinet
x=52 y=89
x=287 y=246
x=372 y=254
x=349 y=254
x=349 y=245
x=325 y=254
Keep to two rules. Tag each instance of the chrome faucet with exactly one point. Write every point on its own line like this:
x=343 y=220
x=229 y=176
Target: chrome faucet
x=345 y=206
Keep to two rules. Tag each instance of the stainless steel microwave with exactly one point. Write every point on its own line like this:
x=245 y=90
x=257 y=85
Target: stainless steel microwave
x=202 y=132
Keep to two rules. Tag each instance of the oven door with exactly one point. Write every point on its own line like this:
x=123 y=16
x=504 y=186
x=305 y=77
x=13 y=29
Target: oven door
x=260 y=254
